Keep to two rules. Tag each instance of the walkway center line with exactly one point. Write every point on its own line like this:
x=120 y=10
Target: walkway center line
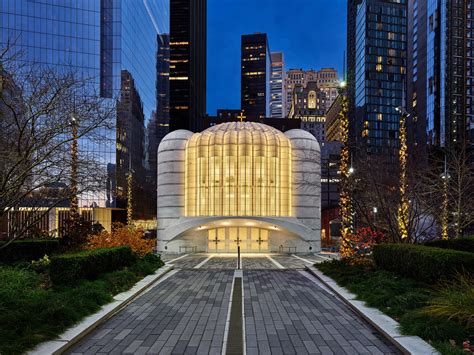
x=278 y=265
x=198 y=266
x=182 y=256
x=234 y=341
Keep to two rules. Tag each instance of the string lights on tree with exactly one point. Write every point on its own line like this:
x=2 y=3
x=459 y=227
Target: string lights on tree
x=74 y=203
x=344 y=197
x=130 y=194
x=444 y=212
x=404 y=205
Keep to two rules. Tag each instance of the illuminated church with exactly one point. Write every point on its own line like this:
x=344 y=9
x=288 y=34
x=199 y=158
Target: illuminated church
x=239 y=184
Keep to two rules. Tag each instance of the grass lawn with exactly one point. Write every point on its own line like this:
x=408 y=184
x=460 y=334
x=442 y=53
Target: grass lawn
x=31 y=313
x=400 y=298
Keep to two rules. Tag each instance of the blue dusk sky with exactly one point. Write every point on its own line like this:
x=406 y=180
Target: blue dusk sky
x=310 y=33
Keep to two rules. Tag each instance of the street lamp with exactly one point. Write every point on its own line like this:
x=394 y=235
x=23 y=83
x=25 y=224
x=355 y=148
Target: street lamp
x=375 y=213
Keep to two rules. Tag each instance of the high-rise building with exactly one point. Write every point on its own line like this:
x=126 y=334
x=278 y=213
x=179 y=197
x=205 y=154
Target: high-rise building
x=187 y=64
x=309 y=105
x=98 y=40
x=441 y=75
x=377 y=52
x=277 y=99
x=255 y=75
x=333 y=121
x=326 y=79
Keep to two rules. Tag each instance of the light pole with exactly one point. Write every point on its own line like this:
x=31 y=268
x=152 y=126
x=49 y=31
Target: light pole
x=403 y=208
x=375 y=214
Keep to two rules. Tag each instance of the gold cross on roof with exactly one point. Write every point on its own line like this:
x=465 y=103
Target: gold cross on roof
x=241 y=116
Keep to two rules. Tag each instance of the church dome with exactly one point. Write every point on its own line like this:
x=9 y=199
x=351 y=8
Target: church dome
x=238 y=169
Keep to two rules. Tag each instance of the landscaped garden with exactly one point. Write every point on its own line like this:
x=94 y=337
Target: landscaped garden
x=428 y=289
x=47 y=286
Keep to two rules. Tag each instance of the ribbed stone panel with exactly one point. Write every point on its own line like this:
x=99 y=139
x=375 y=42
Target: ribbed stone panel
x=306 y=178
x=170 y=179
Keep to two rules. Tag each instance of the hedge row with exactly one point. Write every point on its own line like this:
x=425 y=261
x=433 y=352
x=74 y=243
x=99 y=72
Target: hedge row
x=28 y=249
x=89 y=264
x=421 y=262
x=461 y=244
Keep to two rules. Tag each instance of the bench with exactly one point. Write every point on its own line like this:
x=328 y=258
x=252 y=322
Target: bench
x=288 y=249
x=187 y=248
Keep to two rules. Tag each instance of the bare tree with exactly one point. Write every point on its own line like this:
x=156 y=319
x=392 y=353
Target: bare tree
x=37 y=107
x=451 y=178
x=375 y=187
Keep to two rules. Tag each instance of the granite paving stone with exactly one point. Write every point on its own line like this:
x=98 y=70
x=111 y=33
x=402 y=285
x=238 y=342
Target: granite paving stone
x=286 y=312
x=304 y=309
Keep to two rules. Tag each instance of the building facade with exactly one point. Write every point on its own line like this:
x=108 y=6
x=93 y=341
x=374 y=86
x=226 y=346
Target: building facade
x=309 y=106
x=377 y=55
x=239 y=184
x=255 y=76
x=441 y=73
x=187 y=64
x=97 y=40
x=326 y=79
x=277 y=90
x=333 y=121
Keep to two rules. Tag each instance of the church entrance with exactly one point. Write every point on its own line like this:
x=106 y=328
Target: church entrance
x=226 y=240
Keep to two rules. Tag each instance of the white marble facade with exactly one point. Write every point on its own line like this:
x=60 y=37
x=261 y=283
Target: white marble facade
x=300 y=232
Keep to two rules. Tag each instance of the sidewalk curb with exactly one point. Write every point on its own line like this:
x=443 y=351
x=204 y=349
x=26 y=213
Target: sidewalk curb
x=74 y=334
x=387 y=326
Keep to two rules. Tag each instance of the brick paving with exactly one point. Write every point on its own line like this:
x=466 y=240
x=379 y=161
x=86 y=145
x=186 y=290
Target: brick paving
x=286 y=312
x=186 y=313
x=255 y=263
x=187 y=262
x=221 y=263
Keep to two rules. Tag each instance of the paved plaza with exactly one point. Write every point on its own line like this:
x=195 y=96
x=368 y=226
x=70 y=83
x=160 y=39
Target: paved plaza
x=286 y=311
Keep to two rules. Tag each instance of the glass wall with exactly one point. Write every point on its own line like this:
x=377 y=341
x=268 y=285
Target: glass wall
x=238 y=169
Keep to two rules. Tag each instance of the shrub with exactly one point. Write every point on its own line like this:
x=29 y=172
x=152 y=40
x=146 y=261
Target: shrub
x=89 y=264
x=423 y=263
x=122 y=236
x=27 y=250
x=454 y=300
x=461 y=244
x=359 y=245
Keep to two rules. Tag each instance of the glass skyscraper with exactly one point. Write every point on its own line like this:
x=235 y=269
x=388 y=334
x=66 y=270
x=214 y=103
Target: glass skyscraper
x=377 y=68
x=114 y=42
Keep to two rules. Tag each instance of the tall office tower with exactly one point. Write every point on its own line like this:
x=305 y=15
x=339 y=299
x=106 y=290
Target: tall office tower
x=416 y=73
x=98 y=40
x=255 y=76
x=378 y=72
x=158 y=125
x=442 y=73
x=309 y=105
x=187 y=64
x=162 y=87
x=277 y=100
x=326 y=79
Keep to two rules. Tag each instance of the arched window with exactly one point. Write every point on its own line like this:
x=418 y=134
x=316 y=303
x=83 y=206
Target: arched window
x=312 y=99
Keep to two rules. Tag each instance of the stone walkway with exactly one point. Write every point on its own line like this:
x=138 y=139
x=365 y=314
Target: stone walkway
x=286 y=312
